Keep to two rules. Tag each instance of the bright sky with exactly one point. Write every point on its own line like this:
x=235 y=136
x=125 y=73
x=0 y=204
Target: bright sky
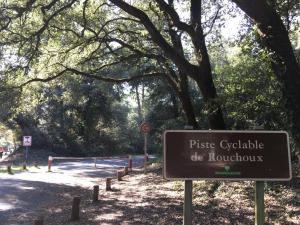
x=232 y=26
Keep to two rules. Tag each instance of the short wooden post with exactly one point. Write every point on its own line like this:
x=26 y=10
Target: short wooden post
x=38 y=221
x=259 y=203
x=130 y=163
x=50 y=159
x=75 y=208
x=125 y=170
x=24 y=166
x=9 y=169
x=108 y=184
x=119 y=175
x=95 y=193
x=95 y=162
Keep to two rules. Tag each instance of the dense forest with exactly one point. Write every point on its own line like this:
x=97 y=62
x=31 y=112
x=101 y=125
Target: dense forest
x=80 y=76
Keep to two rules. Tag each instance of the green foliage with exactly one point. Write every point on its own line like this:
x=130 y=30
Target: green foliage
x=73 y=116
x=82 y=115
x=249 y=91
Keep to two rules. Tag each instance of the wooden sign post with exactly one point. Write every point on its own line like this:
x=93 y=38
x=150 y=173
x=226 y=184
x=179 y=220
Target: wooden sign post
x=188 y=196
x=227 y=155
x=259 y=203
x=259 y=193
x=188 y=202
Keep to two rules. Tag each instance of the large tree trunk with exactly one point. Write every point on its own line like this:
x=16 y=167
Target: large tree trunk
x=186 y=102
x=276 y=40
x=182 y=89
x=202 y=76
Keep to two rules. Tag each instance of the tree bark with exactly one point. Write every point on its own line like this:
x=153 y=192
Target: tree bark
x=275 y=38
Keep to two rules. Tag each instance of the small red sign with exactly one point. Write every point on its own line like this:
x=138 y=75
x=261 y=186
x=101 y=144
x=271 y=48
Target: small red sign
x=145 y=128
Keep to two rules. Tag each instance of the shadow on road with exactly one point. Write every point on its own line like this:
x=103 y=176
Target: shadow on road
x=21 y=200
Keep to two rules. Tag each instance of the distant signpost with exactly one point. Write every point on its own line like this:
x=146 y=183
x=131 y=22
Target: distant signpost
x=27 y=142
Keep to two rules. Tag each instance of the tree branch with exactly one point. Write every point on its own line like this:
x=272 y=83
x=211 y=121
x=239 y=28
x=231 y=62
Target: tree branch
x=174 y=16
x=44 y=80
x=156 y=36
x=92 y=76
x=213 y=22
x=113 y=80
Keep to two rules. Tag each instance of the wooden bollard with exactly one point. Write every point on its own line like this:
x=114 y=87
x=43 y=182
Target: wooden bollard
x=24 y=166
x=125 y=170
x=50 y=159
x=75 y=208
x=119 y=175
x=108 y=184
x=9 y=169
x=39 y=221
x=95 y=193
x=130 y=163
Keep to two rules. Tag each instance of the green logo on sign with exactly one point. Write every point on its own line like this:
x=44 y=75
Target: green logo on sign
x=227 y=172
x=227 y=168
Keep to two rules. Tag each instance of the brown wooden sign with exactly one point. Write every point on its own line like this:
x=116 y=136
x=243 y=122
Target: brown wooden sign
x=226 y=155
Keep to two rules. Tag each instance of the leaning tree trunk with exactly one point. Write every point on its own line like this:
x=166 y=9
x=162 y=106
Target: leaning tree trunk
x=182 y=92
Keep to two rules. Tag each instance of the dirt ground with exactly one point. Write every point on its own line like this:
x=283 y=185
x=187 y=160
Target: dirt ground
x=149 y=199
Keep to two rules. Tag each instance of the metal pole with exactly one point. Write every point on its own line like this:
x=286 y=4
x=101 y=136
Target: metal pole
x=188 y=202
x=145 y=151
x=26 y=155
x=259 y=203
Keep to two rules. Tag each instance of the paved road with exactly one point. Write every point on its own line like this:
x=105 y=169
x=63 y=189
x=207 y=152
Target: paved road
x=24 y=193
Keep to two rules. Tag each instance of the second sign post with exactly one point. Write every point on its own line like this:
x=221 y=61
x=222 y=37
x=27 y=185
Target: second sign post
x=145 y=129
x=27 y=141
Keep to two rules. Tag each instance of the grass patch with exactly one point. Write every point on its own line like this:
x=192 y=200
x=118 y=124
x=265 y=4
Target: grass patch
x=14 y=169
